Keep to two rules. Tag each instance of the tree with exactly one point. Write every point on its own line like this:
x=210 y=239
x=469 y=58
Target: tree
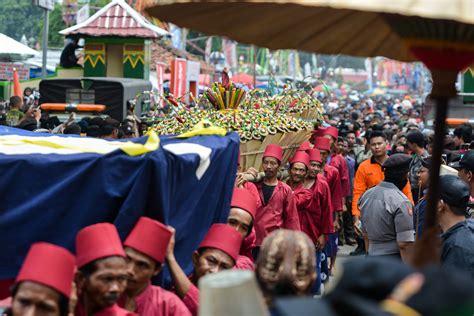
x=20 y=18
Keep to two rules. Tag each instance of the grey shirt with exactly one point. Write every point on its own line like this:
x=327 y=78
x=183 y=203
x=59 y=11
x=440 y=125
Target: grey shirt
x=385 y=218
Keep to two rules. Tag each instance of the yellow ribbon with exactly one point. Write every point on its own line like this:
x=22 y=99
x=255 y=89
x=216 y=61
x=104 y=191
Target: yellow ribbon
x=204 y=128
x=398 y=308
x=15 y=144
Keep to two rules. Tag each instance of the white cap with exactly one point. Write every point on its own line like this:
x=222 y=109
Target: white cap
x=445 y=170
x=231 y=293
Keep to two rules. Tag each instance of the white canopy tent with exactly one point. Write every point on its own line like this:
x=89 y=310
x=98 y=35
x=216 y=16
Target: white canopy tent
x=11 y=50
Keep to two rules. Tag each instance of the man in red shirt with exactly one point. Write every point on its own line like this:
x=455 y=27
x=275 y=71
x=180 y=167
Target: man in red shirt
x=337 y=160
x=218 y=251
x=102 y=271
x=298 y=170
x=44 y=284
x=330 y=173
x=248 y=244
x=146 y=247
x=332 y=176
x=278 y=207
x=316 y=221
x=241 y=216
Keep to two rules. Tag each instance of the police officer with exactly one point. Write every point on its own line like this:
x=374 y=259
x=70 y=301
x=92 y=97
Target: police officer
x=387 y=214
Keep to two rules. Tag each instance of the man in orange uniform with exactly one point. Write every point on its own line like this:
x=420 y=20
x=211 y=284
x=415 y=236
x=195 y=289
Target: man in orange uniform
x=368 y=175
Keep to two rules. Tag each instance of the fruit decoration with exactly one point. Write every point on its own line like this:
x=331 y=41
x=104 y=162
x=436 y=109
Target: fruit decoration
x=249 y=124
x=225 y=95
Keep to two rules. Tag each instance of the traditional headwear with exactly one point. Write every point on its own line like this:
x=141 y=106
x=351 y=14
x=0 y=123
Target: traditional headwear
x=49 y=265
x=315 y=155
x=223 y=237
x=149 y=237
x=319 y=132
x=304 y=146
x=244 y=199
x=301 y=156
x=322 y=143
x=97 y=241
x=331 y=131
x=274 y=151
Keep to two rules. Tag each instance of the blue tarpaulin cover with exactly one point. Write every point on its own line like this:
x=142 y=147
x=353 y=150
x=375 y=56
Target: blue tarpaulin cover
x=50 y=196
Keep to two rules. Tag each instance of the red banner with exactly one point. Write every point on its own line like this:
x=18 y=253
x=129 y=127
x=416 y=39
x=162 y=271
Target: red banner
x=178 y=77
x=6 y=71
x=160 y=78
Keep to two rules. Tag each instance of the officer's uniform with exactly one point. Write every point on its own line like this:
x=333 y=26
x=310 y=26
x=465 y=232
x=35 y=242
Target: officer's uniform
x=385 y=212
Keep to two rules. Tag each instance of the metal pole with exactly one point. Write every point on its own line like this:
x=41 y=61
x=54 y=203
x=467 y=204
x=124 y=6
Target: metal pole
x=294 y=68
x=45 y=43
x=427 y=249
x=254 y=53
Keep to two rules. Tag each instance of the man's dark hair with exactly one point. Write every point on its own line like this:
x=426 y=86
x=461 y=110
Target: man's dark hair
x=90 y=268
x=200 y=251
x=15 y=101
x=458 y=210
x=416 y=137
x=397 y=177
x=389 y=134
x=93 y=131
x=376 y=133
x=109 y=125
x=63 y=300
x=464 y=131
x=73 y=128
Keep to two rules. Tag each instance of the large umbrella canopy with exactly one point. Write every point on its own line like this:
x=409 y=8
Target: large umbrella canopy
x=354 y=27
x=440 y=33
x=11 y=50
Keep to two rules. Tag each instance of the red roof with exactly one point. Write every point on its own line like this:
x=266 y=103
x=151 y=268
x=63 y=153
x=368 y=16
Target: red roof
x=116 y=19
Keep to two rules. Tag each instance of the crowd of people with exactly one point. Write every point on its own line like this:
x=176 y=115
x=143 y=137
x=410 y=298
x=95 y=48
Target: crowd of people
x=24 y=113
x=361 y=180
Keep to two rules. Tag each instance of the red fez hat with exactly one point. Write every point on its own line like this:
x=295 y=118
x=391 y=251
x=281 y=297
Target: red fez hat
x=315 y=155
x=332 y=131
x=301 y=156
x=244 y=199
x=223 y=237
x=49 y=265
x=304 y=146
x=149 y=237
x=319 y=132
x=97 y=241
x=274 y=151
x=322 y=143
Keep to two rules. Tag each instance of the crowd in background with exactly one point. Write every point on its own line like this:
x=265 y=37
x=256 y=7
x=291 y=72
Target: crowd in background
x=361 y=180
